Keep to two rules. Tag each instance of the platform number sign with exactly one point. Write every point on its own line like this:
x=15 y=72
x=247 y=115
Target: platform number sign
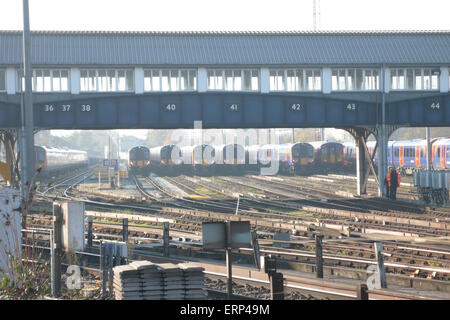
x=435 y=106
x=65 y=107
x=86 y=108
x=48 y=108
x=170 y=107
x=296 y=107
x=351 y=107
x=234 y=107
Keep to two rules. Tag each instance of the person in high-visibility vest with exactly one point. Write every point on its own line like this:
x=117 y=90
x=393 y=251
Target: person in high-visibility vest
x=393 y=181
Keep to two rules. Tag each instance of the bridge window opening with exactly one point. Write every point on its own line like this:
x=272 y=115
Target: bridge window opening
x=45 y=80
x=106 y=80
x=2 y=80
x=354 y=79
x=359 y=79
x=233 y=80
x=121 y=80
x=237 y=81
x=371 y=79
x=277 y=80
x=174 y=85
x=295 y=80
x=313 y=78
x=169 y=80
x=414 y=79
x=165 y=84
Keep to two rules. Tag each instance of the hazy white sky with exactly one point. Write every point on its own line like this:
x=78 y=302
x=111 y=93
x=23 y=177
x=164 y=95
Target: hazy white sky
x=229 y=15
x=148 y=15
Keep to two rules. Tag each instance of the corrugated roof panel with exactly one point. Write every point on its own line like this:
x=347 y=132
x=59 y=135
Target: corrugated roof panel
x=246 y=48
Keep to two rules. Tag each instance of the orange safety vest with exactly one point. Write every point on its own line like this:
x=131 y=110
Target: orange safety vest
x=388 y=178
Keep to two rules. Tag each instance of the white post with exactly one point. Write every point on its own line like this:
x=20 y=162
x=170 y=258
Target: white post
x=443 y=79
x=326 y=80
x=74 y=80
x=265 y=80
x=138 y=80
x=11 y=80
x=387 y=80
x=202 y=83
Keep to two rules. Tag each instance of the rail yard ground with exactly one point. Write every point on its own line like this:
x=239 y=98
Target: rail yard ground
x=415 y=237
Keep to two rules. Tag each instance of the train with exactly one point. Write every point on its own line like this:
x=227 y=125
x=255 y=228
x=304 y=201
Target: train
x=290 y=158
x=408 y=155
x=165 y=160
x=229 y=159
x=328 y=156
x=139 y=160
x=198 y=159
x=55 y=160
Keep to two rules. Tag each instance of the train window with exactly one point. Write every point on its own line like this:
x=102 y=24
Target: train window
x=396 y=153
x=439 y=152
x=448 y=152
x=2 y=80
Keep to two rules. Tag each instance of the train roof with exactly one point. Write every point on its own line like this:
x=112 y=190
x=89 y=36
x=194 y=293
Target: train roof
x=318 y=144
x=154 y=149
x=441 y=141
x=219 y=146
x=60 y=150
x=348 y=144
x=140 y=147
x=407 y=143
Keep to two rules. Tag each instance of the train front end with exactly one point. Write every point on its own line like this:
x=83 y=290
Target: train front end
x=139 y=160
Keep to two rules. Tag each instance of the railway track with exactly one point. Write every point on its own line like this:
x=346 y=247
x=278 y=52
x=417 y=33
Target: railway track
x=186 y=219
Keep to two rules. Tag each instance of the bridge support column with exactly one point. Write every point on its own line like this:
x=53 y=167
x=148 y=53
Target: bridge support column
x=361 y=154
x=360 y=165
x=382 y=159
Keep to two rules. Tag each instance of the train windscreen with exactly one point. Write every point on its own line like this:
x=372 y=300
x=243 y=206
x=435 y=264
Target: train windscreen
x=139 y=154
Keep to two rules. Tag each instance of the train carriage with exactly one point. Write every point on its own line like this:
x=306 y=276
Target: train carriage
x=198 y=159
x=55 y=160
x=139 y=160
x=296 y=157
x=349 y=156
x=440 y=153
x=251 y=158
x=291 y=157
x=230 y=159
x=165 y=160
x=328 y=156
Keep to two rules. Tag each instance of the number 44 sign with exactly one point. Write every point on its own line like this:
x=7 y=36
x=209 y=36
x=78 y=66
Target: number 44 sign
x=435 y=106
